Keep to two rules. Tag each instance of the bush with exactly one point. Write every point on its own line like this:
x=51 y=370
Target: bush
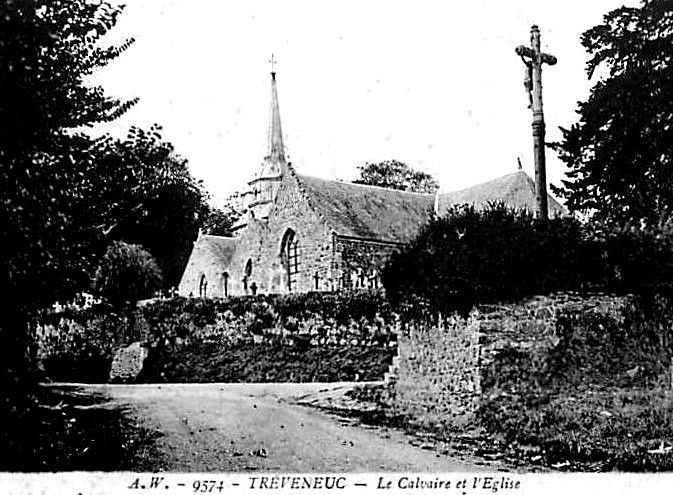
x=470 y=257
x=126 y=274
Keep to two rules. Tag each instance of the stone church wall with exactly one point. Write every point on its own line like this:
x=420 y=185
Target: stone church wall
x=261 y=244
x=202 y=263
x=358 y=262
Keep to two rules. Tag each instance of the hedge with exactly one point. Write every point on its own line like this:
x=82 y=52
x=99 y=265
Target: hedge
x=471 y=257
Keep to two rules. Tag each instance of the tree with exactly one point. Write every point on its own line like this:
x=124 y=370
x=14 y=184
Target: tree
x=148 y=197
x=126 y=274
x=220 y=220
x=49 y=233
x=396 y=175
x=620 y=152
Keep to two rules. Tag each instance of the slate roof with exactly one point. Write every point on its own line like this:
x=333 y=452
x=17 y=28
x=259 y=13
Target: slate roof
x=390 y=215
x=517 y=190
x=367 y=211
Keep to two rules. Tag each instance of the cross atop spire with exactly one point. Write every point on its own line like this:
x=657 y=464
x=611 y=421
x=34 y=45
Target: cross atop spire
x=273 y=62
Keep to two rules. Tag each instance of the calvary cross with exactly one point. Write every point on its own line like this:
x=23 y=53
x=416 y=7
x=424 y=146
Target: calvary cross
x=273 y=63
x=534 y=58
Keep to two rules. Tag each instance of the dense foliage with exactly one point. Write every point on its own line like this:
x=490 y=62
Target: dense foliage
x=470 y=257
x=150 y=197
x=219 y=221
x=396 y=175
x=126 y=274
x=77 y=431
x=619 y=153
x=49 y=236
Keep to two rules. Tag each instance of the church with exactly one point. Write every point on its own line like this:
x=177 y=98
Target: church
x=300 y=233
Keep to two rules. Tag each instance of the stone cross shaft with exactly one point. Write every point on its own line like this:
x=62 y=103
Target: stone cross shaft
x=534 y=58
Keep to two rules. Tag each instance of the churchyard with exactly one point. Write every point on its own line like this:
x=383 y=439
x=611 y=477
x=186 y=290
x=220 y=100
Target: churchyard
x=577 y=379
x=464 y=323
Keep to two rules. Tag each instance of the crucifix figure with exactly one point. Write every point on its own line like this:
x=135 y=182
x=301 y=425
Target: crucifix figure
x=534 y=58
x=273 y=63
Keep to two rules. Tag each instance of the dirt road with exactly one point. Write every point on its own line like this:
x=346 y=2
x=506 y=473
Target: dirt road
x=247 y=427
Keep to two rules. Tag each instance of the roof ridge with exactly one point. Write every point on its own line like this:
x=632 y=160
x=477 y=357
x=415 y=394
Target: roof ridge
x=371 y=186
x=219 y=236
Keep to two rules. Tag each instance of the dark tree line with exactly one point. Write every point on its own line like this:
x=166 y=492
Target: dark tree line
x=620 y=153
x=66 y=197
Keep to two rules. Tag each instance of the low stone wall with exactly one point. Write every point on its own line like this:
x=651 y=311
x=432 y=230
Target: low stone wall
x=439 y=370
x=437 y=377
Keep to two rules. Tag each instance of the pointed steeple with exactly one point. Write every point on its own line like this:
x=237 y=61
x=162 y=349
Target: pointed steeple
x=264 y=186
x=275 y=148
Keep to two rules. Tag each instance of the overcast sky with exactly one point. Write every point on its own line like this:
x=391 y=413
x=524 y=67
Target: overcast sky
x=435 y=84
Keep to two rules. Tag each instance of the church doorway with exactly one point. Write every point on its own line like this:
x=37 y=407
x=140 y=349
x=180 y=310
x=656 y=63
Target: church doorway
x=289 y=256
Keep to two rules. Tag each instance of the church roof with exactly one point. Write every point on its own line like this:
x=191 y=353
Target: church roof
x=221 y=249
x=391 y=215
x=368 y=211
x=517 y=190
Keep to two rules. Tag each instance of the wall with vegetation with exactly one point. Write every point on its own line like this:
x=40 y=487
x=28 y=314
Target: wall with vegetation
x=303 y=337
x=443 y=371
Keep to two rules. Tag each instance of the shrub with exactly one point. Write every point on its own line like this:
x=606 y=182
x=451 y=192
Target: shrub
x=471 y=257
x=126 y=274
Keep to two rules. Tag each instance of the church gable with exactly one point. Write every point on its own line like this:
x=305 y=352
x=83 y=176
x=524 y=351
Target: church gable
x=516 y=190
x=291 y=251
x=206 y=274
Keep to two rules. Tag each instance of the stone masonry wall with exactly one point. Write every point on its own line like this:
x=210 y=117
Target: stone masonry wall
x=358 y=262
x=439 y=369
x=261 y=243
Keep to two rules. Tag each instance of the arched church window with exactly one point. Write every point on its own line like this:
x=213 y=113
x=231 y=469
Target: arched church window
x=247 y=272
x=225 y=284
x=203 y=286
x=289 y=257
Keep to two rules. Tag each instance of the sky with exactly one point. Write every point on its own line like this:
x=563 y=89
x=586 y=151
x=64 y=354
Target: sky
x=434 y=84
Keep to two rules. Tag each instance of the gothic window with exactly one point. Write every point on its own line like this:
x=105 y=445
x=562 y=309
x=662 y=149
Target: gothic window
x=289 y=256
x=225 y=284
x=203 y=286
x=247 y=273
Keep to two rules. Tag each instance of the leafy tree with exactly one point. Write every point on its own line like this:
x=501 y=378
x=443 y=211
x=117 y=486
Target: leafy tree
x=220 y=220
x=49 y=233
x=126 y=274
x=396 y=175
x=620 y=152
x=150 y=198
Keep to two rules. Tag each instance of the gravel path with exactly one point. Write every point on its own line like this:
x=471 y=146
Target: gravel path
x=248 y=427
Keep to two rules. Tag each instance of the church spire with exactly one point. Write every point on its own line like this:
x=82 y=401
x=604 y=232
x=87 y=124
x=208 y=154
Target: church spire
x=276 y=150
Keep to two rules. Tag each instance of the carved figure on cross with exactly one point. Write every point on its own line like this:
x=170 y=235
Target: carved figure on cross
x=533 y=58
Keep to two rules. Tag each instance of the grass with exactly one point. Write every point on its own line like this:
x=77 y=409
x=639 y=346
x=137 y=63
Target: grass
x=68 y=430
x=245 y=363
x=599 y=429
